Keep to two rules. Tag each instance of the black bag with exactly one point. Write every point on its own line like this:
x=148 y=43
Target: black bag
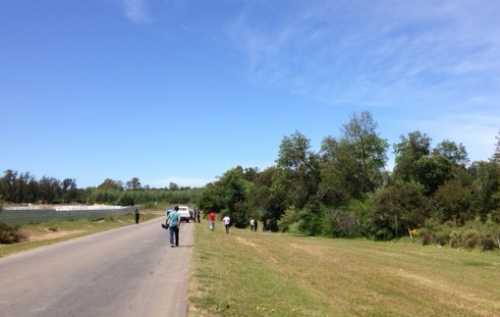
x=165 y=225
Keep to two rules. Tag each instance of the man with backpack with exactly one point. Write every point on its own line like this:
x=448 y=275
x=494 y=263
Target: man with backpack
x=173 y=221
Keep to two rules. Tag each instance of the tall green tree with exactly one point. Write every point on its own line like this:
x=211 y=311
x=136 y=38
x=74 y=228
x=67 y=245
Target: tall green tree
x=408 y=151
x=134 y=184
x=294 y=151
x=353 y=166
x=50 y=189
x=229 y=195
x=110 y=184
x=299 y=169
x=69 y=190
x=236 y=192
x=485 y=186
x=432 y=171
x=369 y=149
x=270 y=196
x=212 y=198
x=173 y=186
x=338 y=172
x=397 y=208
x=496 y=155
x=453 y=152
x=8 y=185
x=452 y=202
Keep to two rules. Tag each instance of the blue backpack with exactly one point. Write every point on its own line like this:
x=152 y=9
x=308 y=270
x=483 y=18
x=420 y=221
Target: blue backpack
x=173 y=219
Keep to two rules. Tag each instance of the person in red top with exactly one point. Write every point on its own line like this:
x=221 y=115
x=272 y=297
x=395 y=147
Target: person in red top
x=211 y=220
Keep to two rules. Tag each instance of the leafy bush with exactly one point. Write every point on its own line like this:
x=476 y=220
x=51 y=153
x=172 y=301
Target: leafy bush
x=488 y=243
x=311 y=220
x=397 y=208
x=426 y=236
x=455 y=239
x=343 y=223
x=474 y=233
x=452 y=201
x=442 y=237
x=10 y=234
x=289 y=219
x=471 y=238
x=495 y=215
x=126 y=200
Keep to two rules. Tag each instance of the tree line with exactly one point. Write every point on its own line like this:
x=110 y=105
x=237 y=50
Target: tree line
x=18 y=187
x=344 y=189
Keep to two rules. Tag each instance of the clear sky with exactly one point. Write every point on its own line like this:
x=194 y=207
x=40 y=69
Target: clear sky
x=179 y=90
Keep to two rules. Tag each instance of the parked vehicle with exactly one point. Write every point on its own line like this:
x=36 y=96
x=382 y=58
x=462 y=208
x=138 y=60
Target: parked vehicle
x=185 y=213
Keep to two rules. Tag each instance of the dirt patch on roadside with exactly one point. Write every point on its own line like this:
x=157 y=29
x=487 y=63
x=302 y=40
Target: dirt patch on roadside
x=259 y=250
x=452 y=292
x=389 y=254
x=54 y=235
x=313 y=250
x=420 y=279
x=246 y=242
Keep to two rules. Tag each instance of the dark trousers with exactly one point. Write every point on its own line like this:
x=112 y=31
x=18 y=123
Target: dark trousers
x=137 y=218
x=174 y=235
x=227 y=228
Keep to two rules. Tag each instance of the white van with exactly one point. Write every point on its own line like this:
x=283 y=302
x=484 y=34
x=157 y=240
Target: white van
x=184 y=213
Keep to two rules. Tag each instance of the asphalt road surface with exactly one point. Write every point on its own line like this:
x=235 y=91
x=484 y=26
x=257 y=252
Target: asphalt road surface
x=130 y=271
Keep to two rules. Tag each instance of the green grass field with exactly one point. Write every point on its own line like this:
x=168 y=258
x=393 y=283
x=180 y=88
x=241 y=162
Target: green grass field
x=264 y=274
x=50 y=232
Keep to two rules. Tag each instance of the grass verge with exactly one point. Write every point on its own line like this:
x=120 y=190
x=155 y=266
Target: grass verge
x=263 y=274
x=50 y=232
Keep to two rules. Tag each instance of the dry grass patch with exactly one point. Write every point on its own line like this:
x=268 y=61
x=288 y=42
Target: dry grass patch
x=237 y=273
x=54 y=235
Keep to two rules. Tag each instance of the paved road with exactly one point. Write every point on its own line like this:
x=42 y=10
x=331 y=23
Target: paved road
x=131 y=271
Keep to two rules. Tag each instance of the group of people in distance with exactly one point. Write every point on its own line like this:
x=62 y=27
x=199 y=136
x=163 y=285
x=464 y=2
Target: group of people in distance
x=253 y=224
x=174 y=219
x=196 y=215
x=212 y=217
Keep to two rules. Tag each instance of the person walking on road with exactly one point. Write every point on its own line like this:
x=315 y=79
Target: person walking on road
x=211 y=220
x=227 y=223
x=165 y=225
x=173 y=220
x=137 y=215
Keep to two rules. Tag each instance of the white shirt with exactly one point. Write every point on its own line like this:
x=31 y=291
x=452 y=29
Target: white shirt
x=226 y=220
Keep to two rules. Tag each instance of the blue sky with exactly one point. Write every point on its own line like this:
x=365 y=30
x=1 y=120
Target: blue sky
x=179 y=90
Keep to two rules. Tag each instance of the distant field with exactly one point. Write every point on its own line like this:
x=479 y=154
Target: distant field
x=53 y=231
x=26 y=215
x=261 y=274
